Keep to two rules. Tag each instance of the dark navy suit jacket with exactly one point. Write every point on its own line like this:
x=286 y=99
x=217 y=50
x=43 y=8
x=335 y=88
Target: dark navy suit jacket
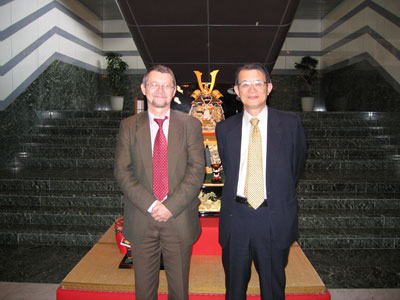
x=286 y=151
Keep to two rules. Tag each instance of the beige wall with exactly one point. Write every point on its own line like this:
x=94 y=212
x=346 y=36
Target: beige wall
x=359 y=29
x=36 y=32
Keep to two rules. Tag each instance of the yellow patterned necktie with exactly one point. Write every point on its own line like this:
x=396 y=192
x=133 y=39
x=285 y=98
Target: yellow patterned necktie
x=254 y=186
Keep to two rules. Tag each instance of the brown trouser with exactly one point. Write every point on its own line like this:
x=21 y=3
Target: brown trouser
x=161 y=237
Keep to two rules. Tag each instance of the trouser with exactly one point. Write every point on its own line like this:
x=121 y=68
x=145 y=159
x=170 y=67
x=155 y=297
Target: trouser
x=161 y=237
x=250 y=241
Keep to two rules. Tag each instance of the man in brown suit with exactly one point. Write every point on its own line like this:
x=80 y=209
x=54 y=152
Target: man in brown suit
x=170 y=225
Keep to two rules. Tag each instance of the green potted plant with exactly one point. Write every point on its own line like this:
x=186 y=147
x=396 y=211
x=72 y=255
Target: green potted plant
x=116 y=69
x=307 y=75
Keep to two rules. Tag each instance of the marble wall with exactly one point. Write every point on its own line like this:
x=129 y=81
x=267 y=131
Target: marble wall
x=359 y=87
x=286 y=93
x=67 y=87
x=61 y=86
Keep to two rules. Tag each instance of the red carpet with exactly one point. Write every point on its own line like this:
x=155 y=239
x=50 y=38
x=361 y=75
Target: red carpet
x=208 y=244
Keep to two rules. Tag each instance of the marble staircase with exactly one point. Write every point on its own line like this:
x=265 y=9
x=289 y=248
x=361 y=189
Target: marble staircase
x=349 y=194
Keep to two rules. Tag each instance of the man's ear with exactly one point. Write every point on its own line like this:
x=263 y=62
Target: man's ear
x=236 y=89
x=143 y=88
x=269 y=87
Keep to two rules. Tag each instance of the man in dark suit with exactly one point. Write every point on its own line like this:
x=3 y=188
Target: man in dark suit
x=262 y=152
x=159 y=166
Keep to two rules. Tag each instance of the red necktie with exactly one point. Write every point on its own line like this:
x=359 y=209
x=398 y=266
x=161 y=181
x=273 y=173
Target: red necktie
x=160 y=163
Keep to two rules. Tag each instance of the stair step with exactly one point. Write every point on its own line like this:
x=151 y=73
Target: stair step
x=45 y=163
x=100 y=114
x=353 y=164
x=317 y=201
x=73 y=151
x=310 y=132
x=94 y=180
x=105 y=216
x=59 y=216
x=338 y=116
x=352 y=143
x=348 y=132
x=362 y=187
x=349 y=238
x=75 y=131
x=326 y=124
x=348 y=201
x=347 y=219
x=65 y=151
x=92 y=141
x=78 y=235
x=35 y=184
x=48 y=141
x=81 y=122
x=67 y=235
x=348 y=154
x=67 y=199
x=349 y=123
x=105 y=159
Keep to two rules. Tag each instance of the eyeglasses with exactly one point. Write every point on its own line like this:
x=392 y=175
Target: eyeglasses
x=155 y=85
x=258 y=84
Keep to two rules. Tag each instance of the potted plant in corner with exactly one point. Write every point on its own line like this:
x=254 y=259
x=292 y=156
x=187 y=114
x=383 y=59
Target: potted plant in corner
x=308 y=75
x=116 y=68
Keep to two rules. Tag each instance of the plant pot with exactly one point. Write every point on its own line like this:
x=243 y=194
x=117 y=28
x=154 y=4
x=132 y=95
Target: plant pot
x=307 y=103
x=117 y=103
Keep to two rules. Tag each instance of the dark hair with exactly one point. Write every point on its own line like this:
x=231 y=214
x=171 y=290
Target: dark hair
x=252 y=66
x=161 y=69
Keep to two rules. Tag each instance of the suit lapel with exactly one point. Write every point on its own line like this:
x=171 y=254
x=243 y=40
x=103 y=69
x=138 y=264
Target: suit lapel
x=175 y=138
x=143 y=135
x=274 y=140
x=235 y=138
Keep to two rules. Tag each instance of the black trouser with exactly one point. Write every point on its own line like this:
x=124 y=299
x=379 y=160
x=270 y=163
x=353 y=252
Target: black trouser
x=250 y=241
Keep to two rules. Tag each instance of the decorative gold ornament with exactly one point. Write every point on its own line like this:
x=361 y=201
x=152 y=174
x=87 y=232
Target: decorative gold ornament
x=207 y=108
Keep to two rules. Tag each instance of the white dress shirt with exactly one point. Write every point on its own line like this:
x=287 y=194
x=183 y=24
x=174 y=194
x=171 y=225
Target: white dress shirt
x=244 y=147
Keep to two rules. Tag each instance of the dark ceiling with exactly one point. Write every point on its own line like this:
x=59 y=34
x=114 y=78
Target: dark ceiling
x=206 y=35
x=308 y=9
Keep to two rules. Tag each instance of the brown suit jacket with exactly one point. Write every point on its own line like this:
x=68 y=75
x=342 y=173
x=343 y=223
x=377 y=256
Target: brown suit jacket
x=133 y=173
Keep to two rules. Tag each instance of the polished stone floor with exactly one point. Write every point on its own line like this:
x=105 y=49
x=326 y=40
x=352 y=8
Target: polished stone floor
x=357 y=268
x=38 y=264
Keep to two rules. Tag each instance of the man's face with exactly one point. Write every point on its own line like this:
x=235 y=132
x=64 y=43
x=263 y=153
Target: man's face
x=253 y=96
x=159 y=90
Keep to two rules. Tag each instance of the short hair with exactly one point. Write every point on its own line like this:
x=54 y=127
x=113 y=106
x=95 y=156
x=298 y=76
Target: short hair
x=252 y=66
x=161 y=69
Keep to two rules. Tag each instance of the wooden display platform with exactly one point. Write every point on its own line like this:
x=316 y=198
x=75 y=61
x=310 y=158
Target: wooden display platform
x=98 y=272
